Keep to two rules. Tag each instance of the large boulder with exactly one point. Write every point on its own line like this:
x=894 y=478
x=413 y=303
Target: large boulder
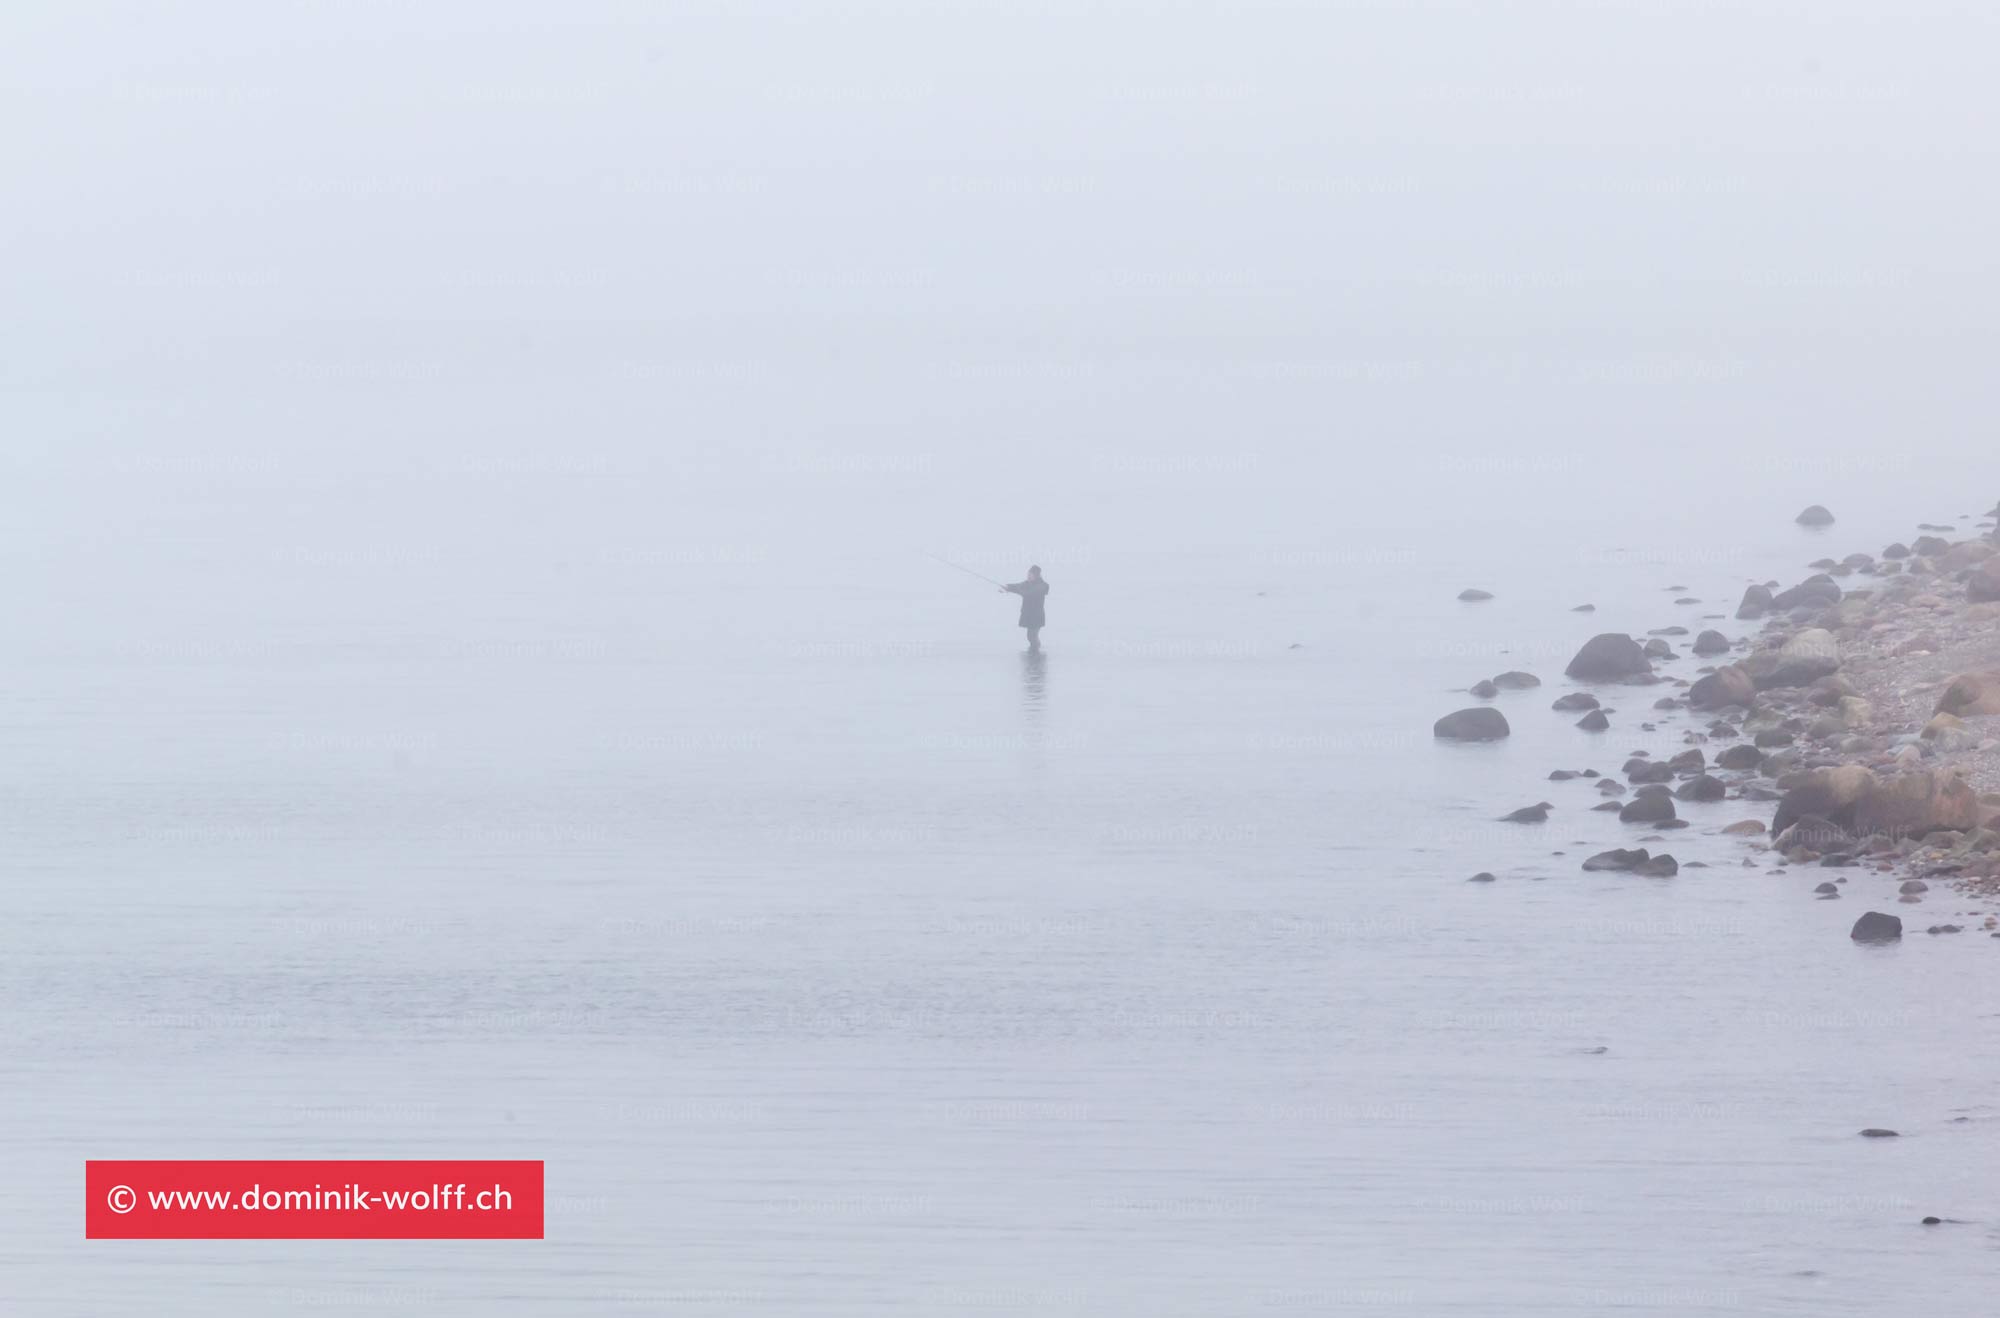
x=1756 y=602
x=1853 y=798
x=1815 y=592
x=1814 y=516
x=1875 y=927
x=1701 y=788
x=1826 y=793
x=1740 y=756
x=1618 y=858
x=1515 y=680
x=1929 y=545
x=1654 y=807
x=1711 y=642
x=1966 y=553
x=1807 y=657
x=1983 y=585
x=1480 y=724
x=1913 y=804
x=1730 y=684
x=1971 y=694
x=1609 y=657
x=1814 y=834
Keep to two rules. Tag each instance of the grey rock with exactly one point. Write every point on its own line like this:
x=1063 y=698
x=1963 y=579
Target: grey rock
x=1875 y=927
x=1647 y=808
x=1740 y=756
x=1703 y=788
x=1481 y=723
x=1608 y=657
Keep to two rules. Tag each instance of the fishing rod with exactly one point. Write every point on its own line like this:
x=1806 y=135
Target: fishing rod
x=968 y=571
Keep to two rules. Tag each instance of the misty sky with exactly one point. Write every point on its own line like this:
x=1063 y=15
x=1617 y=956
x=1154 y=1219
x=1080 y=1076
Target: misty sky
x=924 y=270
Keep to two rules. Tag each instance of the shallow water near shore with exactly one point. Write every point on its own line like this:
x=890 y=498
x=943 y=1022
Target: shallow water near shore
x=839 y=958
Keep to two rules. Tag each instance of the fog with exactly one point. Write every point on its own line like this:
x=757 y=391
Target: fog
x=873 y=270
x=475 y=681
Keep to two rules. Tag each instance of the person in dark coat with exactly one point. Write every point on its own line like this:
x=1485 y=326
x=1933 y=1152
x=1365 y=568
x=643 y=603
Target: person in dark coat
x=1032 y=591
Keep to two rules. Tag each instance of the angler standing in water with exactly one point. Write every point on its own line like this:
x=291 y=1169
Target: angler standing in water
x=1032 y=591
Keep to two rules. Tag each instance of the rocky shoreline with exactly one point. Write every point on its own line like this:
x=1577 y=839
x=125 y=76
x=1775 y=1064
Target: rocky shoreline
x=1861 y=723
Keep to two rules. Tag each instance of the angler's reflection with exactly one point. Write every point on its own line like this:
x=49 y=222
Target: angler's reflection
x=1034 y=681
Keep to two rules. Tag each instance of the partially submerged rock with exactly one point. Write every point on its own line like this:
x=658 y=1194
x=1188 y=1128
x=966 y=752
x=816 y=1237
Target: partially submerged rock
x=1609 y=657
x=1816 y=515
x=1619 y=858
x=1649 y=807
x=1875 y=927
x=1472 y=596
x=1481 y=723
x=1816 y=592
x=1743 y=755
x=1728 y=685
x=1702 y=788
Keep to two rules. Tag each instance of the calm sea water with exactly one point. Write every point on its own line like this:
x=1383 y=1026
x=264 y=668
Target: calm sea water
x=838 y=958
